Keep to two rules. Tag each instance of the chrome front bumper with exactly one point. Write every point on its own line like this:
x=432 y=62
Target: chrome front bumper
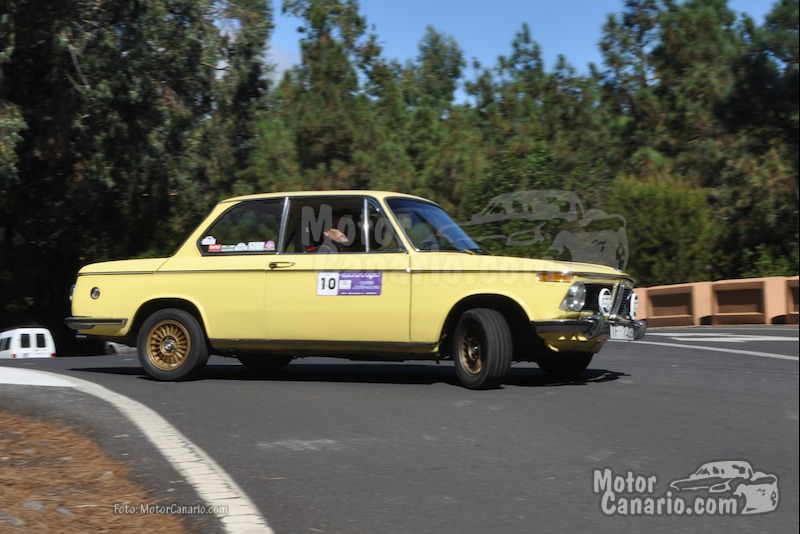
x=590 y=327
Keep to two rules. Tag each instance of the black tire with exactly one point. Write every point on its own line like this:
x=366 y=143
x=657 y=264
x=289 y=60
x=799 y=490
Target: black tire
x=264 y=362
x=172 y=346
x=564 y=364
x=482 y=348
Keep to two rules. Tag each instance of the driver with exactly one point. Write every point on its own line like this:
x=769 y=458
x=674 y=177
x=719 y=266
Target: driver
x=334 y=240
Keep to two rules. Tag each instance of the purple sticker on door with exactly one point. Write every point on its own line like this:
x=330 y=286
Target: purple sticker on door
x=351 y=283
x=333 y=284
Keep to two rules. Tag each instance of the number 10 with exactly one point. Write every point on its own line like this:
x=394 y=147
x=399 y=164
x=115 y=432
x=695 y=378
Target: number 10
x=327 y=284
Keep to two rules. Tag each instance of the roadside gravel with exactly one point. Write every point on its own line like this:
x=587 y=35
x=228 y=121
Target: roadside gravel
x=55 y=479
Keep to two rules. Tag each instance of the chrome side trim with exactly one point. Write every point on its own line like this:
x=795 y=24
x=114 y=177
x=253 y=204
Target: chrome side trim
x=87 y=323
x=314 y=346
x=106 y=273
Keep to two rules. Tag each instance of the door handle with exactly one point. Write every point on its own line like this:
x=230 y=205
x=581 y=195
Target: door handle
x=280 y=264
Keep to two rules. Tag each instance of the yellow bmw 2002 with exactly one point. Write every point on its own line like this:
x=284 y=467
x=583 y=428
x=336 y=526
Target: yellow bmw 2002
x=365 y=275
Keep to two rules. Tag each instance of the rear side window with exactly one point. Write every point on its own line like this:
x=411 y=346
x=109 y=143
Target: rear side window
x=40 y=342
x=25 y=341
x=5 y=343
x=247 y=228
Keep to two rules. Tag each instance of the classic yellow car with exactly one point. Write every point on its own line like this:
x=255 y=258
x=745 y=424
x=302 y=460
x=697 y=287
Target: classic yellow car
x=366 y=275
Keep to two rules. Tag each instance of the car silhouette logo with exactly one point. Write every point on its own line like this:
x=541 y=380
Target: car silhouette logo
x=758 y=491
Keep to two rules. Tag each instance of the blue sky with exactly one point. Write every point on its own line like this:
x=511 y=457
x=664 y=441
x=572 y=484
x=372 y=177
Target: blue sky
x=484 y=29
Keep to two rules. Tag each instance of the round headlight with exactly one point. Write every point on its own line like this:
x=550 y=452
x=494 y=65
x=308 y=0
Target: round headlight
x=95 y=293
x=576 y=297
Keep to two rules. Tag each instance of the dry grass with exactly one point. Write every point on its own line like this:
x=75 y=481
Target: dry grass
x=54 y=479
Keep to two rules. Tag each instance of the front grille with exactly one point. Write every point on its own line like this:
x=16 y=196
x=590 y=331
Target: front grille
x=625 y=303
x=592 y=294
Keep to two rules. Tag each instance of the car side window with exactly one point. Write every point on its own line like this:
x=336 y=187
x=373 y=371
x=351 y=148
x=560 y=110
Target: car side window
x=310 y=220
x=25 y=341
x=359 y=219
x=250 y=227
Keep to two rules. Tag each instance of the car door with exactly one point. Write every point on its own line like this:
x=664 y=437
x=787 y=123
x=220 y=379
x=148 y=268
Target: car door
x=359 y=295
x=227 y=279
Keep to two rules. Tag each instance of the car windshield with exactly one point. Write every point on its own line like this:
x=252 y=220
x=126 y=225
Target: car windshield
x=723 y=471
x=429 y=227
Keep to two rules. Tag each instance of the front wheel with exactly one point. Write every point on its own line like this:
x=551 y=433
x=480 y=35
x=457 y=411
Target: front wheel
x=172 y=345
x=482 y=348
x=564 y=364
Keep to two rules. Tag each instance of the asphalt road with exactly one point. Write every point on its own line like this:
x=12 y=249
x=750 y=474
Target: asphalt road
x=329 y=446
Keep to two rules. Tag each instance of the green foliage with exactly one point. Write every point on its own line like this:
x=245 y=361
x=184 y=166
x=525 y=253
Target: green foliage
x=673 y=234
x=11 y=127
x=440 y=63
x=134 y=115
x=767 y=261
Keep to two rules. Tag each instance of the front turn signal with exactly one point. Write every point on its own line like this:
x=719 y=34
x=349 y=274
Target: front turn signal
x=555 y=276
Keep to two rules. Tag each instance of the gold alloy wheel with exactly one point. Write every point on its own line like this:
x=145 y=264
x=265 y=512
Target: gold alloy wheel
x=470 y=351
x=168 y=344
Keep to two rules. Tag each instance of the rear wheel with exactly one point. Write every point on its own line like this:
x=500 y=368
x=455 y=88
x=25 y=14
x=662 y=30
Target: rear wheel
x=264 y=362
x=564 y=364
x=482 y=348
x=171 y=345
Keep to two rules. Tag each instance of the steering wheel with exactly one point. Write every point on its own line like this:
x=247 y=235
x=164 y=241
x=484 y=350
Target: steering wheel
x=429 y=243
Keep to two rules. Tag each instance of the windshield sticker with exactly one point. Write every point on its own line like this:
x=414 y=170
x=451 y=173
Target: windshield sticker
x=215 y=248
x=269 y=245
x=349 y=284
x=208 y=240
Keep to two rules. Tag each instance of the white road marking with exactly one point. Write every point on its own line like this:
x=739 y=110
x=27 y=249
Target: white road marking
x=717 y=349
x=210 y=481
x=26 y=377
x=721 y=338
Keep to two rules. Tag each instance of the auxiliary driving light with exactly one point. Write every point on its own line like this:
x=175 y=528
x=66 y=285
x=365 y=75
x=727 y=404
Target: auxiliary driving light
x=633 y=305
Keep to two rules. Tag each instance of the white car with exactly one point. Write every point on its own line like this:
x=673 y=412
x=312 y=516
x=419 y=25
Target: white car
x=27 y=343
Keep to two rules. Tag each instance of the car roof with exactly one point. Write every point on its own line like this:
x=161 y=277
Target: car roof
x=321 y=193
